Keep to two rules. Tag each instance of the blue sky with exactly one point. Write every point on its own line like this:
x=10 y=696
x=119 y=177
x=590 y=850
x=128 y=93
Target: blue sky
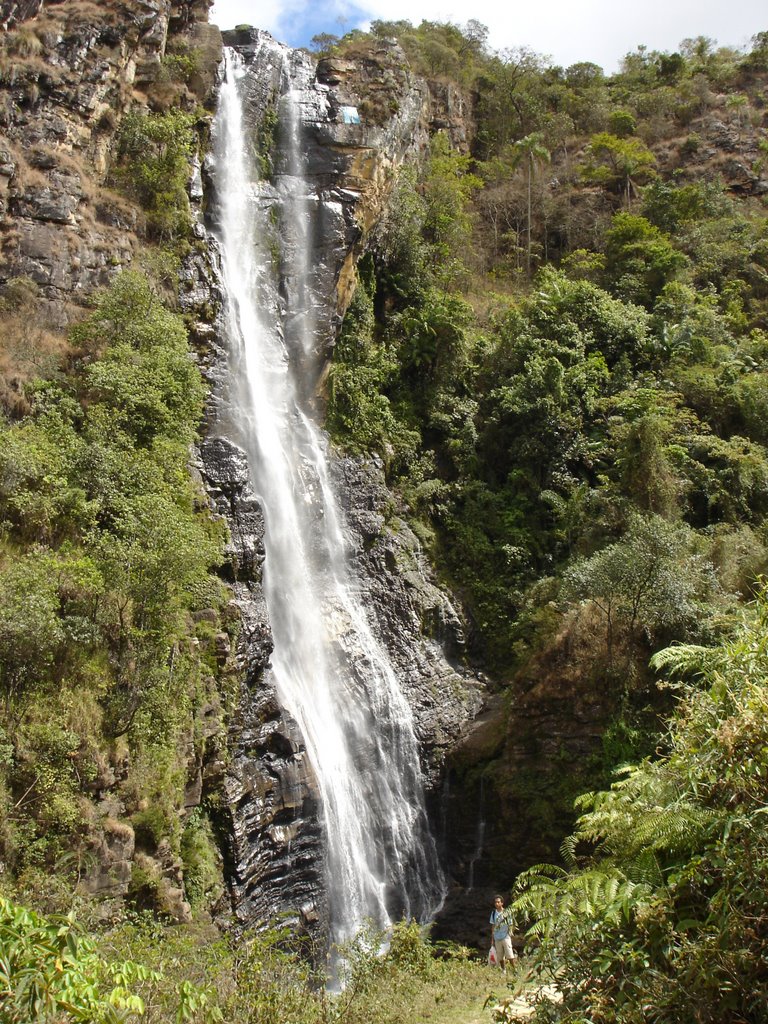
x=295 y=24
x=567 y=30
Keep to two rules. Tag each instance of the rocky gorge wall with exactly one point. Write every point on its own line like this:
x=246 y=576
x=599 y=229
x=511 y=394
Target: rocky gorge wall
x=72 y=71
x=69 y=73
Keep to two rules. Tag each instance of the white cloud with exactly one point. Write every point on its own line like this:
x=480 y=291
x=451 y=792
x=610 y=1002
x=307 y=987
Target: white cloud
x=598 y=30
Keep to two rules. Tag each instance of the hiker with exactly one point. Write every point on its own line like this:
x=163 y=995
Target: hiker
x=500 y=937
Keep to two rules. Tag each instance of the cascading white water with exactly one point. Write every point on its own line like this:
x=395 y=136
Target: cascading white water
x=330 y=672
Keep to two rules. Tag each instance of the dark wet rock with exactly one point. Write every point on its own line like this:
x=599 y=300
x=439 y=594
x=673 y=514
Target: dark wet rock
x=275 y=859
x=276 y=853
x=414 y=618
x=525 y=759
x=225 y=470
x=272 y=818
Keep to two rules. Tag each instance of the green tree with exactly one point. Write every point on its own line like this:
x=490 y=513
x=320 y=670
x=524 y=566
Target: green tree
x=447 y=187
x=617 y=163
x=104 y=551
x=509 y=101
x=622 y=123
x=650 y=582
x=50 y=972
x=640 y=259
x=153 y=165
x=324 y=42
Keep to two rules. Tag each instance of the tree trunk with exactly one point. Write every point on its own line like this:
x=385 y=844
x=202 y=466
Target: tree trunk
x=530 y=177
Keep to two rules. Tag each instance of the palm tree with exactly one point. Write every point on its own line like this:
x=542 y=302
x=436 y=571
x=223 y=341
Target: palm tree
x=531 y=151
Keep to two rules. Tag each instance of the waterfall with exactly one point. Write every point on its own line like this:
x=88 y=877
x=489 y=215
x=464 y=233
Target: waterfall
x=479 y=838
x=329 y=670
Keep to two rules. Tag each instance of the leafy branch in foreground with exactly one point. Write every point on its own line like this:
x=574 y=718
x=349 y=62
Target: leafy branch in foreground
x=49 y=971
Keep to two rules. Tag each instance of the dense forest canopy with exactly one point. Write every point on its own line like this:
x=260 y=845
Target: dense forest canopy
x=561 y=328
x=557 y=347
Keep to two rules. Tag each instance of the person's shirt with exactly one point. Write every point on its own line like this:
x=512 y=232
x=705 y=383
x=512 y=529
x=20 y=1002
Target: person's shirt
x=500 y=926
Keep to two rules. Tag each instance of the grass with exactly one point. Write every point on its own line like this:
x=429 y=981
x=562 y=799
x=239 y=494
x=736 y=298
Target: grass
x=452 y=993
x=258 y=979
x=461 y=995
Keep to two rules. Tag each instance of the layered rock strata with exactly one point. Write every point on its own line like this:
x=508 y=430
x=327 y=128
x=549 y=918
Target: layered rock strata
x=69 y=73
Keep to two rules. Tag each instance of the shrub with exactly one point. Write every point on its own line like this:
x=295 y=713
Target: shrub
x=153 y=166
x=50 y=971
x=23 y=43
x=691 y=144
x=105 y=551
x=669 y=869
x=618 y=164
x=150 y=826
x=181 y=66
x=640 y=258
x=622 y=123
x=203 y=880
x=407 y=948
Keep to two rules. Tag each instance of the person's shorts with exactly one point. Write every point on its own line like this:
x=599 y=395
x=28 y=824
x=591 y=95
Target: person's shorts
x=504 y=950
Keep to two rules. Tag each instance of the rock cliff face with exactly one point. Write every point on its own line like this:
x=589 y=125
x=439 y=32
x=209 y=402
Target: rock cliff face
x=359 y=122
x=70 y=72
x=275 y=859
x=417 y=622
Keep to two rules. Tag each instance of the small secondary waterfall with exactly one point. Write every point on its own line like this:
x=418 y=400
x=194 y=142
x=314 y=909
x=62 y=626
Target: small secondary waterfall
x=330 y=672
x=477 y=853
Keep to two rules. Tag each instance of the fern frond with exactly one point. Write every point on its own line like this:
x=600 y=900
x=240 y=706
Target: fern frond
x=537 y=930
x=539 y=871
x=568 y=849
x=674 y=829
x=584 y=801
x=565 y=905
x=682 y=660
x=646 y=870
x=610 y=889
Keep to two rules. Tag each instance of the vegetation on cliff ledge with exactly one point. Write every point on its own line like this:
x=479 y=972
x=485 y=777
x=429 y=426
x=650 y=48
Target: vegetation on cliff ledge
x=105 y=556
